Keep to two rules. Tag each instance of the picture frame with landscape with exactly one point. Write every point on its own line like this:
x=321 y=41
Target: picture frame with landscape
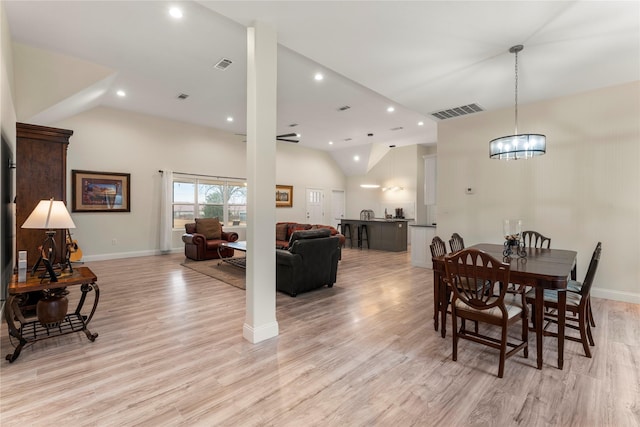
x=93 y=191
x=284 y=196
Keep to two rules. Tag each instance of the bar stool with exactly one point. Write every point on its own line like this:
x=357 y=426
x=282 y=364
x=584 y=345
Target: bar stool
x=363 y=234
x=345 y=230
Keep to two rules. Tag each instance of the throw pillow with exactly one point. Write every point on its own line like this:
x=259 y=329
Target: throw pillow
x=209 y=227
x=281 y=231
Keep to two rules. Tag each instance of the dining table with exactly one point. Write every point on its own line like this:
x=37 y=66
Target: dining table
x=540 y=269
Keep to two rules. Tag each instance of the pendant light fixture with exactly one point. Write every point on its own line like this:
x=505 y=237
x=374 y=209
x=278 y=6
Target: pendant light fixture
x=516 y=146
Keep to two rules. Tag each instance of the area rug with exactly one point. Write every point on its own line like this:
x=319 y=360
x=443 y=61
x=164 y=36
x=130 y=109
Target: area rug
x=226 y=273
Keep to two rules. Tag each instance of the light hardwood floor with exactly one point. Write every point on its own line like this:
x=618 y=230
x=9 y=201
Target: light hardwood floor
x=363 y=353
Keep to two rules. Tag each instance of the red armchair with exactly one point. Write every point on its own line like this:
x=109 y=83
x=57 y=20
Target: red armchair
x=198 y=247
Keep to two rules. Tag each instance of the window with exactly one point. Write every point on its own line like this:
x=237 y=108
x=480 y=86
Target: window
x=208 y=198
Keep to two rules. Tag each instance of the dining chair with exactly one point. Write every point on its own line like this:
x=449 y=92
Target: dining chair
x=533 y=239
x=438 y=249
x=456 y=243
x=577 y=305
x=476 y=279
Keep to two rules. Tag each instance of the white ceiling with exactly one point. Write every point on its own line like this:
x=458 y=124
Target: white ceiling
x=419 y=56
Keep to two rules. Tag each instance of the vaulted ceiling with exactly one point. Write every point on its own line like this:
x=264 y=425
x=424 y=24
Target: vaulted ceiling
x=416 y=56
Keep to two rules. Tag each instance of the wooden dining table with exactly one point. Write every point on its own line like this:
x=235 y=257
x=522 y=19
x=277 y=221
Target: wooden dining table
x=541 y=269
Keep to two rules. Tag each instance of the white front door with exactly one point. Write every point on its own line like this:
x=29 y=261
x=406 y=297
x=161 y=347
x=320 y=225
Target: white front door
x=337 y=206
x=315 y=210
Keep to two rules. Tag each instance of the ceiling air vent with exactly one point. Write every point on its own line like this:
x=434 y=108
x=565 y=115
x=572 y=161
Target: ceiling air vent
x=343 y=108
x=223 y=64
x=347 y=139
x=292 y=125
x=397 y=128
x=183 y=96
x=457 y=111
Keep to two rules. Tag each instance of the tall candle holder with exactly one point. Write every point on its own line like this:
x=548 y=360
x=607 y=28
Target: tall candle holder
x=513 y=242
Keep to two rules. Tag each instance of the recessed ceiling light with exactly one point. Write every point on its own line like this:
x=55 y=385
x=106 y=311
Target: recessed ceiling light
x=175 y=12
x=330 y=142
x=318 y=76
x=391 y=109
x=121 y=93
x=229 y=119
x=298 y=135
x=420 y=123
x=356 y=158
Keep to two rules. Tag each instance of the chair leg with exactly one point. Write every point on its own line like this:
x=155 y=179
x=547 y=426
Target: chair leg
x=582 y=325
x=454 y=332
x=503 y=351
x=591 y=321
x=525 y=332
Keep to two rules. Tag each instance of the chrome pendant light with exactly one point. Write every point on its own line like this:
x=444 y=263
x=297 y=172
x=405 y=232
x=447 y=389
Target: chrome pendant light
x=516 y=146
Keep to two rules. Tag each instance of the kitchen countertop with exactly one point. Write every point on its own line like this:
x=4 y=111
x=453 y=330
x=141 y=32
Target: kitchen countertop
x=423 y=225
x=380 y=220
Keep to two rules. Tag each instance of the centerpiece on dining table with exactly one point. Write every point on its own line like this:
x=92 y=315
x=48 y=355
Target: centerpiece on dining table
x=514 y=244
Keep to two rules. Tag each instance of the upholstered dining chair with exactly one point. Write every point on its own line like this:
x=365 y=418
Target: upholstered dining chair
x=533 y=239
x=438 y=249
x=577 y=305
x=477 y=279
x=456 y=243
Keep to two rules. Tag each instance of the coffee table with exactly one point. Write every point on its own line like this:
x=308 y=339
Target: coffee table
x=236 y=246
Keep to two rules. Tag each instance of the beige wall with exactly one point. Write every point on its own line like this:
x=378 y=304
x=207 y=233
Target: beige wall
x=112 y=140
x=584 y=190
x=398 y=167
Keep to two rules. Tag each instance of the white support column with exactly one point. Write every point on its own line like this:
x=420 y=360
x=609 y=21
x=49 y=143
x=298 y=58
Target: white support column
x=260 y=321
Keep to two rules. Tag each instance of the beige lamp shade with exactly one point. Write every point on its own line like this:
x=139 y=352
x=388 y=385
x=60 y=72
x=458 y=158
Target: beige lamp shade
x=49 y=214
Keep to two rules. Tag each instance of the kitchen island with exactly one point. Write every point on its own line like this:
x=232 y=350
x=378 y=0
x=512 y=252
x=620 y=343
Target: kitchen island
x=384 y=234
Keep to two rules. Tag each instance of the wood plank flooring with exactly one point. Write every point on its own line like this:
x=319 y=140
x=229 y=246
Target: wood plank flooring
x=170 y=352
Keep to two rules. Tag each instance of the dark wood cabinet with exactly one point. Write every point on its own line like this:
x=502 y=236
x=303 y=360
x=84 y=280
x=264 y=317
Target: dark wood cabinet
x=41 y=173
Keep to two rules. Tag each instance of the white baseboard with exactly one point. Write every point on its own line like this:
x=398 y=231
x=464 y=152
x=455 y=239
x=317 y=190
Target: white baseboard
x=120 y=255
x=257 y=334
x=632 y=297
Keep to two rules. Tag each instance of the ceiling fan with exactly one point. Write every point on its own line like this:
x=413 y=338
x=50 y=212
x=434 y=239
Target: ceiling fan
x=284 y=137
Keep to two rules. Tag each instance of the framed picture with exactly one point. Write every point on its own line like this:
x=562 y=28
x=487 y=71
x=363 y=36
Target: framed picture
x=284 y=196
x=100 y=191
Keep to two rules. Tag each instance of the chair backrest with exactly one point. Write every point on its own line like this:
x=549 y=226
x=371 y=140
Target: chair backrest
x=591 y=271
x=456 y=243
x=533 y=239
x=477 y=279
x=438 y=247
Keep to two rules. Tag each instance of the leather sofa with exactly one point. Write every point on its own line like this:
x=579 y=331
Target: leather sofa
x=198 y=247
x=284 y=230
x=310 y=262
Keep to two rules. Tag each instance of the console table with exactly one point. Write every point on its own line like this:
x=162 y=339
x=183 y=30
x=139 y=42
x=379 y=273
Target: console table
x=20 y=317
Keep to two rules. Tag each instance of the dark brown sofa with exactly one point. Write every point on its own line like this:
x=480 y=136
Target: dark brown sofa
x=198 y=247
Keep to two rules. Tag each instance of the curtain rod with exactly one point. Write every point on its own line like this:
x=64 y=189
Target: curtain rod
x=207 y=176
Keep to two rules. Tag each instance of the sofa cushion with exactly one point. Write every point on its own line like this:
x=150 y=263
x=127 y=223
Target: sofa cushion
x=293 y=227
x=209 y=227
x=281 y=231
x=308 y=234
x=329 y=227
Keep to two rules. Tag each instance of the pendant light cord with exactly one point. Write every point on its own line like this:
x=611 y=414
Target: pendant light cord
x=516 y=92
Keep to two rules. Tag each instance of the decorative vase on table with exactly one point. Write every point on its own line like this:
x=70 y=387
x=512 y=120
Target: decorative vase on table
x=52 y=307
x=512 y=229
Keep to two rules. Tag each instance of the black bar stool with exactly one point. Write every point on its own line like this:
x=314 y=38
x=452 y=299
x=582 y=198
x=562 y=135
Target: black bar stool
x=345 y=230
x=363 y=234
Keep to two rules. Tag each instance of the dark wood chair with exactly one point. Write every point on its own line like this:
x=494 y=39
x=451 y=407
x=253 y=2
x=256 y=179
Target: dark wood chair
x=533 y=239
x=477 y=279
x=577 y=306
x=456 y=243
x=438 y=249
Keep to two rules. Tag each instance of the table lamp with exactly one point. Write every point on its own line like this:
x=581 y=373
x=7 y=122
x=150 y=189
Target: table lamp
x=48 y=215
